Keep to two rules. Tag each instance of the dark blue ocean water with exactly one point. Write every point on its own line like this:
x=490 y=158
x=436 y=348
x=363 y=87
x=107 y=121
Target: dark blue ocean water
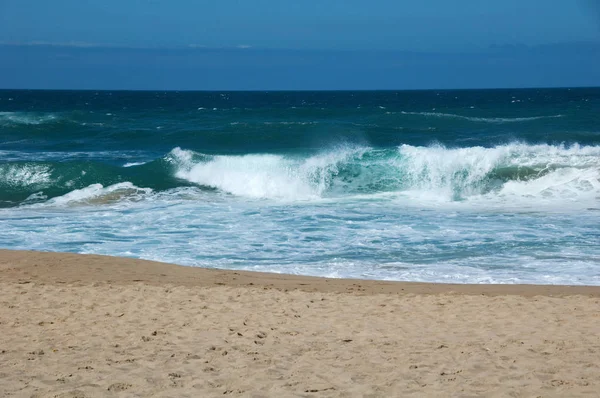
x=455 y=186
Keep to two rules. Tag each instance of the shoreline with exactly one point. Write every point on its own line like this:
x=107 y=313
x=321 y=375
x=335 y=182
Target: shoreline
x=72 y=268
x=75 y=325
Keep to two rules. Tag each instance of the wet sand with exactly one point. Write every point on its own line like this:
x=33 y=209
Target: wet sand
x=95 y=326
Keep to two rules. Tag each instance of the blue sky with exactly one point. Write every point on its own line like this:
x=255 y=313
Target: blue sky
x=425 y=25
x=310 y=28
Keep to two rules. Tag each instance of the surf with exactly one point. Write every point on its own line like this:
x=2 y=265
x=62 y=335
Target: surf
x=448 y=174
x=475 y=186
x=451 y=173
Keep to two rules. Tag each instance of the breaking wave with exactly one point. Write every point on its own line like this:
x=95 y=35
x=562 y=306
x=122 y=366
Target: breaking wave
x=444 y=174
x=449 y=174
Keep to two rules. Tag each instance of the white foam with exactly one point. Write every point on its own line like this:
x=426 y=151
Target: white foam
x=440 y=171
x=28 y=118
x=372 y=236
x=564 y=172
x=264 y=176
x=255 y=176
x=21 y=175
x=131 y=164
x=567 y=183
x=433 y=173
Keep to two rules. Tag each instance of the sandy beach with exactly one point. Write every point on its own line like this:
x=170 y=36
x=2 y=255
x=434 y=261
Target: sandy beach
x=94 y=326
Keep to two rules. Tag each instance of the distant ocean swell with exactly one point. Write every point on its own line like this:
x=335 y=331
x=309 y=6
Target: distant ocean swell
x=446 y=174
x=16 y=119
x=479 y=119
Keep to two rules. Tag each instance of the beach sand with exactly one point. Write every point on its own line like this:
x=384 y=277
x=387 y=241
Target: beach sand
x=94 y=326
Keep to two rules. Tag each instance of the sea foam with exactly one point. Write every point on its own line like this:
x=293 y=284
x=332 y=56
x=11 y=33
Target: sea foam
x=22 y=175
x=264 y=176
x=448 y=174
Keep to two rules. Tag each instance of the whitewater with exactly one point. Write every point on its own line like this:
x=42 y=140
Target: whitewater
x=462 y=187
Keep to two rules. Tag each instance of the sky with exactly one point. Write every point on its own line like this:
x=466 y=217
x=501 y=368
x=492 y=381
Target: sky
x=85 y=44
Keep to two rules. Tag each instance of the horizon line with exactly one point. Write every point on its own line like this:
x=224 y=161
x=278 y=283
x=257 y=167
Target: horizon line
x=305 y=90
x=248 y=47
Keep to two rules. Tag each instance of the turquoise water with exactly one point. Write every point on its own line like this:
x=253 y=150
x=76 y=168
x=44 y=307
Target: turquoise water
x=449 y=186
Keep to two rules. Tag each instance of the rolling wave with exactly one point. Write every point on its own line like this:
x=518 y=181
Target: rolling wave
x=26 y=182
x=449 y=174
x=446 y=174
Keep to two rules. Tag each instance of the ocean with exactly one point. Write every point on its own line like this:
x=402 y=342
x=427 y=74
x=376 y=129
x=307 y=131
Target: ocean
x=473 y=186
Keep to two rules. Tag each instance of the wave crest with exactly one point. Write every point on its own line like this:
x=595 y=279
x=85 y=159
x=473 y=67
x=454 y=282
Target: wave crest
x=264 y=176
x=436 y=171
x=514 y=169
